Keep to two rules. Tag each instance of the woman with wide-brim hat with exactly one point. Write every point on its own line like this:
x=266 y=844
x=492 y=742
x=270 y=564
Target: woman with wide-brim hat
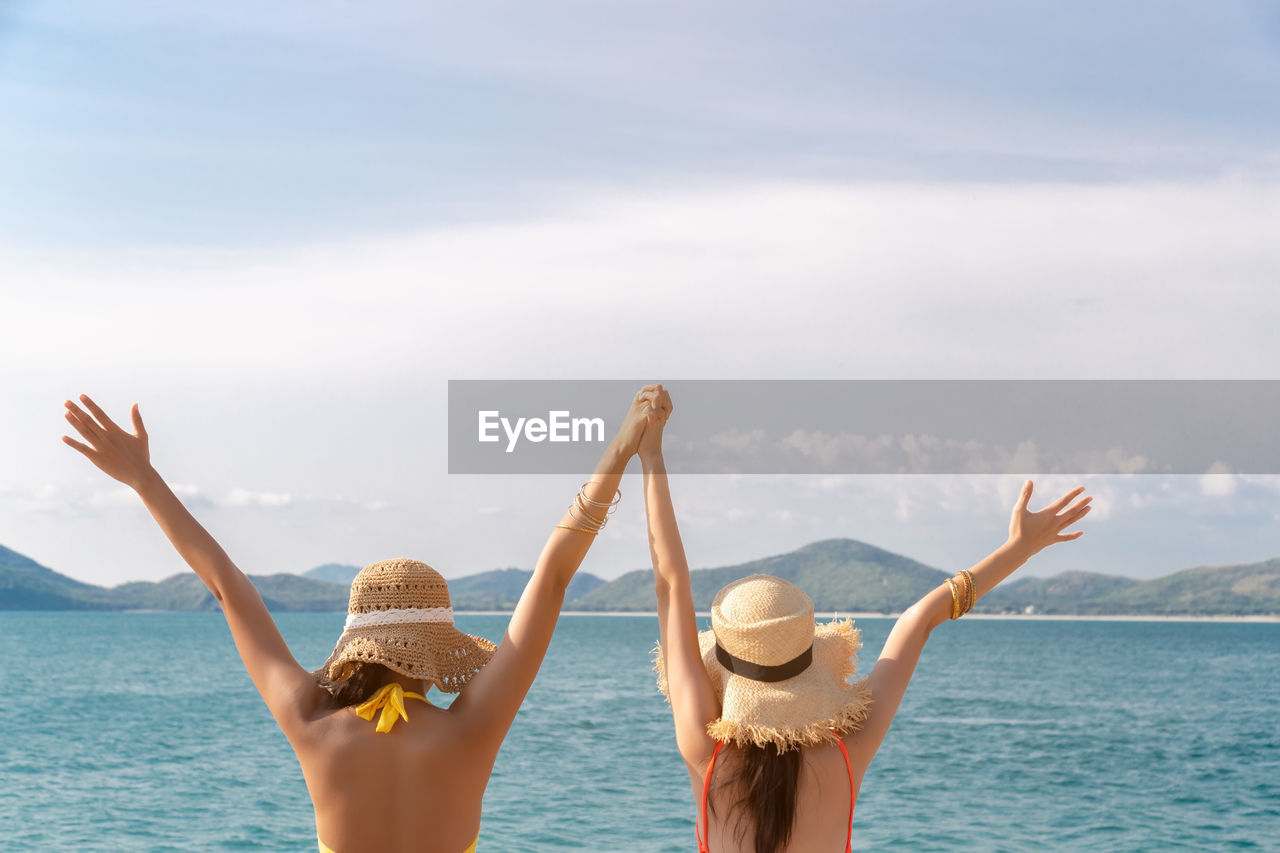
x=774 y=730
x=386 y=770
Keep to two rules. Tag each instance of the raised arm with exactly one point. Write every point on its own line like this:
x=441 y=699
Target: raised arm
x=1029 y=533
x=693 y=700
x=491 y=699
x=288 y=690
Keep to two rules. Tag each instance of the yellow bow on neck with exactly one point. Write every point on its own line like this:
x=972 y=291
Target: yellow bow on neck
x=390 y=701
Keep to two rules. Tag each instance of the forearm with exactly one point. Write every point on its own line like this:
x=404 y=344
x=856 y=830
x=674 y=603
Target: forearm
x=936 y=606
x=570 y=541
x=997 y=566
x=670 y=566
x=200 y=550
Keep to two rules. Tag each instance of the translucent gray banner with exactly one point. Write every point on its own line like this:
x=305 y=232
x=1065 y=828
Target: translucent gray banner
x=879 y=426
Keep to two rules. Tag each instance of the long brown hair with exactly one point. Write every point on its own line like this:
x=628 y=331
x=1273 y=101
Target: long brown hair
x=768 y=781
x=358 y=681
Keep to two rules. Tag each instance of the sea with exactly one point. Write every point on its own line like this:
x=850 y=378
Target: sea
x=141 y=731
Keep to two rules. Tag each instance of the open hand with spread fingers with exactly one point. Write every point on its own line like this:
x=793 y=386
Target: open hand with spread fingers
x=1034 y=531
x=122 y=455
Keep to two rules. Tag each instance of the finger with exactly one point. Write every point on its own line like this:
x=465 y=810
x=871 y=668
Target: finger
x=84 y=417
x=135 y=415
x=1024 y=497
x=88 y=430
x=1071 y=518
x=1083 y=503
x=83 y=448
x=97 y=412
x=1057 y=505
x=1067 y=537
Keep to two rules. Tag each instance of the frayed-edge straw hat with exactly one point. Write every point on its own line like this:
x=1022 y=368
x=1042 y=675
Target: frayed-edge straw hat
x=400 y=616
x=780 y=678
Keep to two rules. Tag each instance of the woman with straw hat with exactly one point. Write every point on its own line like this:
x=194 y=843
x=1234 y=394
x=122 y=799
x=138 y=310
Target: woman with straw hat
x=775 y=737
x=420 y=787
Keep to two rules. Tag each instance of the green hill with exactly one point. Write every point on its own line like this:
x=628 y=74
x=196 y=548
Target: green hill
x=500 y=589
x=188 y=592
x=339 y=573
x=838 y=574
x=1247 y=589
x=27 y=585
x=1078 y=593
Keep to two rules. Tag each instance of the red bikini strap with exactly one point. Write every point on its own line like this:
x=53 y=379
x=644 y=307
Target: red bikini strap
x=848 y=842
x=706 y=792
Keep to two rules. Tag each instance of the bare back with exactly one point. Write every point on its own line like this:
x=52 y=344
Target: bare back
x=418 y=787
x=823 y=803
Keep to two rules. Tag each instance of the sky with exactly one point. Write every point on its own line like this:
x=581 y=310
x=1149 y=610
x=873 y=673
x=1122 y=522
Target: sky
x=282 y=229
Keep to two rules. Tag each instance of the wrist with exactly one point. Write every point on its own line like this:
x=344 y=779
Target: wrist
x=1019 y=549
x=652 y=461
x=148 y=483
x=614 y=460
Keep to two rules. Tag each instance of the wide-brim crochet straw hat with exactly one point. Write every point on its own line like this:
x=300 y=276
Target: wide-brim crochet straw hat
x=400 y=616
x=781 y=679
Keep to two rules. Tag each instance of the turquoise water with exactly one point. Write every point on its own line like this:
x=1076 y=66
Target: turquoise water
x=141 y=731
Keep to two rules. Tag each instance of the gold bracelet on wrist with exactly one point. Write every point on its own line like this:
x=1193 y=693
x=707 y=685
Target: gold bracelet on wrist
x=955 y=599
x=583 y=509
x=973 y=590
x=578 y=529
x=584 y=520
x=583 y=493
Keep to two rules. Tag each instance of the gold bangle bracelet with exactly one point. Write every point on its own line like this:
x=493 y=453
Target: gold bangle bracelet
x=955 y=599
x=962 y=587
x=583 y=491
x=973 y=589
x=583 y=519
x=578 y=529
x=583 y=509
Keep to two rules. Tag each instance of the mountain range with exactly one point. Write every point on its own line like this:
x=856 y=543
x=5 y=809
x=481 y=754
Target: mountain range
x=841 y=575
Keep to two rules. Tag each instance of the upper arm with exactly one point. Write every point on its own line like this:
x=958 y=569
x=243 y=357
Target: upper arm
x=289 y=691
x=493 y=696
x=893 y=670
x=694 y=705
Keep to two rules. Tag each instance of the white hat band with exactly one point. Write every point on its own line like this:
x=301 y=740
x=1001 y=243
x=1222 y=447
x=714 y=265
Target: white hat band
x=399 y=616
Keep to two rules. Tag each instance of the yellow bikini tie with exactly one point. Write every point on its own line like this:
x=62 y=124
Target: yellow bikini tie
x=390 y=701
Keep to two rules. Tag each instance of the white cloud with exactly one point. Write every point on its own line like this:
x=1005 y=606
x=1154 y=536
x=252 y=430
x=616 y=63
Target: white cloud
x=737 y=442
x=760 y=280
x=885 y=280
x=43 y=498
x=1218 y=481
x=245 y=497
x=121 y=496
x=912 y=453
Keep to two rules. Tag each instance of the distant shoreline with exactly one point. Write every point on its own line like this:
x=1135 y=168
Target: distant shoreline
x=1010 y=617
x=995 y=617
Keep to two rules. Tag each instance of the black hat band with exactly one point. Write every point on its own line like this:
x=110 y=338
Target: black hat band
x=758 y=672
